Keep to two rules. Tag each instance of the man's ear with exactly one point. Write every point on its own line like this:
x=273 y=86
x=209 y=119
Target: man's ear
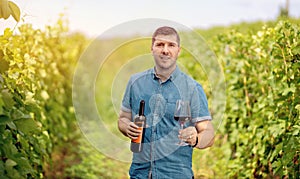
x=151 y=48
x=179 y=50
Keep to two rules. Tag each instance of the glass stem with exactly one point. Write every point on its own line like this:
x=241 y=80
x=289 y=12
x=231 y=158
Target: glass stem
x=181 y=126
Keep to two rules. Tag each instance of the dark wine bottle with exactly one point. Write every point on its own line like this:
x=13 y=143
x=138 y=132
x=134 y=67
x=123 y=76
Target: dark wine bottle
x=137 y=144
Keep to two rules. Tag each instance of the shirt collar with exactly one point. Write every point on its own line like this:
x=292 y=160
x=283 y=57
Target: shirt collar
x=174 y=74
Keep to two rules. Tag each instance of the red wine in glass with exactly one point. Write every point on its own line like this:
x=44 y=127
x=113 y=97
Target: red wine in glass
x=182 y=119
x=182 y=114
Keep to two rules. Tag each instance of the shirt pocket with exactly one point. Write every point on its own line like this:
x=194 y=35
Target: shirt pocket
x=170 y=107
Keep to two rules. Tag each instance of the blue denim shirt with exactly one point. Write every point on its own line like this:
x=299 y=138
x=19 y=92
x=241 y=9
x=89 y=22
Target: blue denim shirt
x=161 y=156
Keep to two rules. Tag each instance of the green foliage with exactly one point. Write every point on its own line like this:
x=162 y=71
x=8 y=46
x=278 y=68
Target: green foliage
x=8 y=8
x=95 y=165
x=262 y=115
x=35 y=97
x=259 y=137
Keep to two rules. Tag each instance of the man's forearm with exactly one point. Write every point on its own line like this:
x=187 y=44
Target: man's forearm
x=205 y=134
x=205 y=139
x=122 y=124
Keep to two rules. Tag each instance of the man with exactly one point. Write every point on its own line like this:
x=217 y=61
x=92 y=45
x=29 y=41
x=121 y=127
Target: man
x=160 y=88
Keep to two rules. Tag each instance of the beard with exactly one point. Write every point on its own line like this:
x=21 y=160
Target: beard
x=164 y=61
x=164 y=57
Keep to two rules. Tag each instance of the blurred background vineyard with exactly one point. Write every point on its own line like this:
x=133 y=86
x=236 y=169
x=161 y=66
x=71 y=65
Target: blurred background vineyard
x=258 y=136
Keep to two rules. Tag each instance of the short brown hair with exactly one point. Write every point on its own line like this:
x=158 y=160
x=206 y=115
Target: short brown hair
x=165 y=30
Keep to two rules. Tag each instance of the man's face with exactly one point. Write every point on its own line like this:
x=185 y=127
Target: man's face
x=165 y=51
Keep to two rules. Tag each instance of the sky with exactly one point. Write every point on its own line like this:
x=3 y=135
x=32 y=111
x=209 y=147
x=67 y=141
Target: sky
x=93 y=17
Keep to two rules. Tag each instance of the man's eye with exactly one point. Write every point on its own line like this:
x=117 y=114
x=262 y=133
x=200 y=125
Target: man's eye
x=159 y=45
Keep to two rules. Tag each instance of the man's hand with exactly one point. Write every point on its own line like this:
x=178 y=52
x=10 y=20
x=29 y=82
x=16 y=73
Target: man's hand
x=189 y=135
x=126 y=126
x=132 y=131
x=203 y=130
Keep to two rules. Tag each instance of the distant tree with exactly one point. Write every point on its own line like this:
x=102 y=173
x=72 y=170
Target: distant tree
x=284 y=11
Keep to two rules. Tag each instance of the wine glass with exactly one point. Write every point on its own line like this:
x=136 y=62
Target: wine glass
x=182 y=114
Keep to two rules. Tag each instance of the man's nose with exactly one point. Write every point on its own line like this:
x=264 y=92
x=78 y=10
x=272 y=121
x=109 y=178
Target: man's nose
x=165 y=50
